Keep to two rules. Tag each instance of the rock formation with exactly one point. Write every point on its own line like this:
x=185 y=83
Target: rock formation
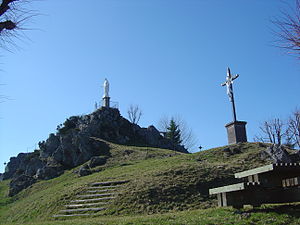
x=279 y=154
x=76 y=142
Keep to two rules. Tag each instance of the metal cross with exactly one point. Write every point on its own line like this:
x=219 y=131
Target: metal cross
x=228 y=83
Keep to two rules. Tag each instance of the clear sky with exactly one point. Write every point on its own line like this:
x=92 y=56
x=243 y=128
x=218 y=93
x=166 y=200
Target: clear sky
x=167 y=56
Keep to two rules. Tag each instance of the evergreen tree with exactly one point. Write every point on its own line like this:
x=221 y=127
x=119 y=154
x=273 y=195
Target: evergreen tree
x=174 y=133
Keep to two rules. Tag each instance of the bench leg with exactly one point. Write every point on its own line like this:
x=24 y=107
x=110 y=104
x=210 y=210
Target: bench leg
x=220 y=202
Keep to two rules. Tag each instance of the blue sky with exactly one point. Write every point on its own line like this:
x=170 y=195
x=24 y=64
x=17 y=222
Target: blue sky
x=167 y=56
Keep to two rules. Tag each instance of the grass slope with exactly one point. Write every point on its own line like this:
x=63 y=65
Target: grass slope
x=172 y=186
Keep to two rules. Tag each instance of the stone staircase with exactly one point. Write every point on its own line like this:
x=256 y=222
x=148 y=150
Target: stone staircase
x=95 y=198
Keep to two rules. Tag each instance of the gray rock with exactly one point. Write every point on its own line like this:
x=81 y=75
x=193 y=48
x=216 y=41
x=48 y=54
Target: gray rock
x=73 y=145
x=97 y=161
x=28 y=163
x=13 y=165
x=84 y=171
x=276 y=154
x=50 y=170
x=49 y=146
x=33 y=165
x=19 y=183
x=75 y=149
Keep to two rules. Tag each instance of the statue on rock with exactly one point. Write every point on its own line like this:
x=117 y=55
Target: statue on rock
x=106 y=88
x=106 y=98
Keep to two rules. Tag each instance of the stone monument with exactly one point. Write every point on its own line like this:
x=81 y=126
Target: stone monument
x=236 y=130
x=106 y=98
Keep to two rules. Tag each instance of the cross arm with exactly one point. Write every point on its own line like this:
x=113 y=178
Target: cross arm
x=236 y=76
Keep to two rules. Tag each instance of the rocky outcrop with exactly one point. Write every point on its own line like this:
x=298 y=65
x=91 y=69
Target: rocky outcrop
x=84 y=171
x=50 y=170
x=278 y=154
x=24 y=163
x=19 y=183
x=97 y=161
x=76 y=142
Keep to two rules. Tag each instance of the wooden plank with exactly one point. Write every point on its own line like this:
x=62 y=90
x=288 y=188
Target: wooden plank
x=92 y=200
x=256 y=178
x=257 y=170
x=82 y=210
x=220 y=202
x=103 y=187
x=283 y=183
x=271 y=179
x=290 y=182
x=228 y=188
x=282 y=169
x=100 y=191
x=85 y=205
x=95 y=195
x=262 y=196
x=70 y=215
x=108 y=183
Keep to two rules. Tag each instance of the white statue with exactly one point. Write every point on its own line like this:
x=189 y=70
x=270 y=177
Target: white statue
x=228 y=83
x=106 y=88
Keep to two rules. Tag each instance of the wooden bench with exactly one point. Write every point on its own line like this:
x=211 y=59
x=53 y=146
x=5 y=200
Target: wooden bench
x=274 y=183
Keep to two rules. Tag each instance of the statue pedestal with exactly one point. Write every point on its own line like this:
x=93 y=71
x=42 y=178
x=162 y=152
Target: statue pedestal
x=105 y=102
x=236 y=132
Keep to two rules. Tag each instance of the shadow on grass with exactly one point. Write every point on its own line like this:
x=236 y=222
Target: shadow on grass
x=288 y=209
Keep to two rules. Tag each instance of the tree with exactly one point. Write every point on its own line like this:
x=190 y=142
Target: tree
x=293 y=131
x=12 y=18
x=188 y=138
x=174 y=133
x=273 y=131
x=289 y=30
x=13 y=15
x=134 y=114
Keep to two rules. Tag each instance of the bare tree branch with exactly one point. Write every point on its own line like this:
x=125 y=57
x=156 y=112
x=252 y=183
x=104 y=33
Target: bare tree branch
x=293 y=131
x=134 y=113
x=289 y=30
x=13 y=16
x=273 y=131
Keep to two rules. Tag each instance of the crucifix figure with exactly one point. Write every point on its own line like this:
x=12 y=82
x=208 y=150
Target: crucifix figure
x=228 y=83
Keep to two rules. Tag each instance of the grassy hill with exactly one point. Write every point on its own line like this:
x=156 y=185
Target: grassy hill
x=165 y=187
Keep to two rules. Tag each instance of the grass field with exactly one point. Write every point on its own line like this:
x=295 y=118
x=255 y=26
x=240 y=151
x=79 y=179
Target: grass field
x=165 y=188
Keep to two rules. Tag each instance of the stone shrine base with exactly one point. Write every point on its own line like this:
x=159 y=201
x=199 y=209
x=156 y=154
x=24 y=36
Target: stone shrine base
x=236 y=132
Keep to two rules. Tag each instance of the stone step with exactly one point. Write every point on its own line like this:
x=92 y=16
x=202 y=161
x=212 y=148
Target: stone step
x=82 y=210
x=103 y=187
x=71 y=215
x=100 y=191
x=92 y=199
x=107 y=183
x=95 y=195
x=85 y=205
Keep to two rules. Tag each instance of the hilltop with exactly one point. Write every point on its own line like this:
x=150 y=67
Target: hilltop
x=160 y=181
x=77 y=140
